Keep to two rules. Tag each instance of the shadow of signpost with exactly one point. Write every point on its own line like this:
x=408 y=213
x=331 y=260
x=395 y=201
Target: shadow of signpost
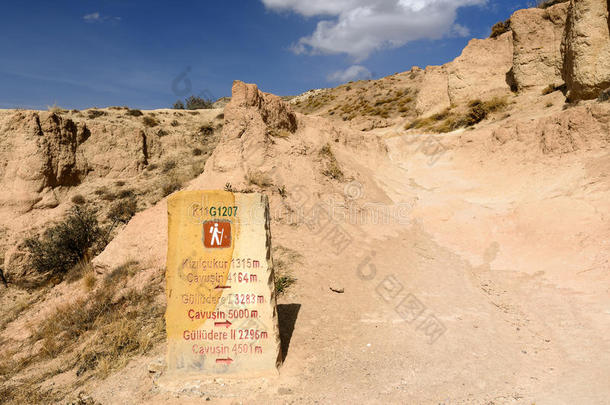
x=287 y=317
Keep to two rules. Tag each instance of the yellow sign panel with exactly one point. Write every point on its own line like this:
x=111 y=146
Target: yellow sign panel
x=221 y=311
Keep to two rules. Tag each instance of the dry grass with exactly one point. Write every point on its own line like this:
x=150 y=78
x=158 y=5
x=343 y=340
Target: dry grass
x=94 y=335
x=89 y=281
x=283 y=261
x=17 y=307
x=55 y=109
x=258 y=178
x=115 y=322
x=331 y=168
x=278 y=133
x=170 y=184
x=450 y=120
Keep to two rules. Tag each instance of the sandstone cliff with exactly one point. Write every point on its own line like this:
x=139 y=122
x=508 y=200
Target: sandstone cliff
x=586 y=49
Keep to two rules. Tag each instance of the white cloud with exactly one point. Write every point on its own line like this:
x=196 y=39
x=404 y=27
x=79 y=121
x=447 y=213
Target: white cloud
x=98 y=18
x=360 y=27
x=93 y=17
x=354 y=72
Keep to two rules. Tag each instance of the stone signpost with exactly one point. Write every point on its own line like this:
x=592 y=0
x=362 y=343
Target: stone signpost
x=221 y=313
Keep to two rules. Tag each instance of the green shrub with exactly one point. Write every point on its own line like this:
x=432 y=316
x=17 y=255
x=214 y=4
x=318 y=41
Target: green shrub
x=64 y=244
x=195 y=103
x=282 y=283
x=178 y=105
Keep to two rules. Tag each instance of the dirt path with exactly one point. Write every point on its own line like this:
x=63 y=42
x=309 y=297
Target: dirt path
x=491 y=289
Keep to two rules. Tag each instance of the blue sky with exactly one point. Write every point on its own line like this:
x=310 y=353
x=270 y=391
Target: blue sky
x=87 y=53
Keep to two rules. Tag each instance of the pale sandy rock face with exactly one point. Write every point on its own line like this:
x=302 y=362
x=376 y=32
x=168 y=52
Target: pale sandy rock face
x=433 y=95
x=583 y=128
x=274 y=111
x=249 y=117
x=537 y=35
x=481 y=69
x=39 y=156
x=586 y=49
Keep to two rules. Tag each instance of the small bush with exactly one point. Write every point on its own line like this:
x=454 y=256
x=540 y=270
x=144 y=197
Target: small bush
x=331 y=169
x=122 y=211
x=55 y=109
x=283 y=260
x=206 y=129
x=551 y=88
x=229 y=188
x=258 y=178
x=197 y=152
x=604 y=95
x=282 y=283
x=119 y=183
x=78 y=199
x=196 y=103
x=63 y=245
x=278 y=133
x=126 y=193
x=170 y=185
x=549 y=3
x=150 y=121
x=89 y=281
x=107 y=195
x=93 y=114
x=161 y=132
x=174 y=123
x=134 y=113
x=178 y=105
x=169 y=165
x=500 y=28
